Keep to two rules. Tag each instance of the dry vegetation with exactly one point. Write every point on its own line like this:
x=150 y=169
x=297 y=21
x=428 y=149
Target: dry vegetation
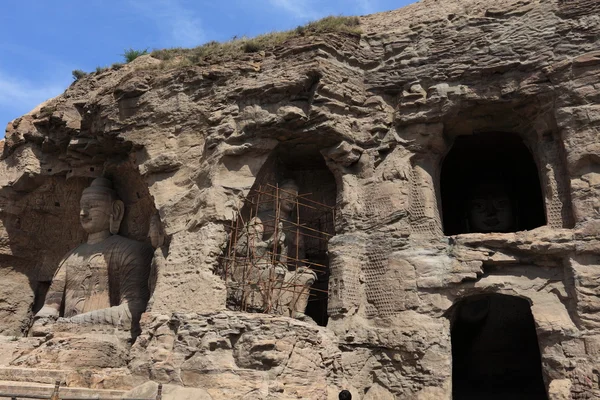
x=252 y=45
x=221 y=50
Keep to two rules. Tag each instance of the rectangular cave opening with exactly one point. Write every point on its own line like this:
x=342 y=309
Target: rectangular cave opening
x=490 y=183
x=495 y=351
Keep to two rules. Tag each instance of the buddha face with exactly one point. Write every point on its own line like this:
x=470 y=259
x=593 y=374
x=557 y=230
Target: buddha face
x=95 y=212
x=287 y=198
x=490 y=209
x=256 y=228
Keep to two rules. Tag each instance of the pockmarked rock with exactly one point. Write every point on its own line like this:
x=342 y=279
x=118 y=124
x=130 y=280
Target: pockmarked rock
x=404 y=207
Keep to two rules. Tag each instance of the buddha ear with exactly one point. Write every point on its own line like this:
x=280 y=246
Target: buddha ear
x=116 y=216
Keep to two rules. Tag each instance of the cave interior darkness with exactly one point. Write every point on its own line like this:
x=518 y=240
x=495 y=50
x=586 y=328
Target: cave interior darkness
x=491 y=157
x=495 y=350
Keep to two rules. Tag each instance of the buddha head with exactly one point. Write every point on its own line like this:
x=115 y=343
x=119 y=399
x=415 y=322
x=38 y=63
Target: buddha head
x=288 y=195
x=256 y=229
x=100 y=208
x=490 y=209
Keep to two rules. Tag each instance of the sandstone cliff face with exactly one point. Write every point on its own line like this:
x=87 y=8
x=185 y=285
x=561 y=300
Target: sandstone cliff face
x=378 y=113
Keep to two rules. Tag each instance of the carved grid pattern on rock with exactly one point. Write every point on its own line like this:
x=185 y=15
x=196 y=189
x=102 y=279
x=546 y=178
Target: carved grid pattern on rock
x=420 y=222
x=436 y=223
x=557 y=203
x=335 y=304
x=378 y=207
x=380 y=299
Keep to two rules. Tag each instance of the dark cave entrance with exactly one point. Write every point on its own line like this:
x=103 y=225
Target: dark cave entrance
x=495 y=350
x=490 y=183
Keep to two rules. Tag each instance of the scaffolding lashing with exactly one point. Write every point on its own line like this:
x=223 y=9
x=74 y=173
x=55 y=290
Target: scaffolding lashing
x=277 y=249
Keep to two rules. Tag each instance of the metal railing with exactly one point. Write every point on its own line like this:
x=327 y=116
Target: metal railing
x=55 y=395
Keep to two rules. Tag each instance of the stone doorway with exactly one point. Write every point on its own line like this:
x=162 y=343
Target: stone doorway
x=485 y=170
x=495 y=350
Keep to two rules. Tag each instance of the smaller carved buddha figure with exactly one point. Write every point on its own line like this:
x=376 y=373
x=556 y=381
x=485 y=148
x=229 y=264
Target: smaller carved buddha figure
x=103 y=281
x=273 y=249
x=490 y=208
x=293 y=296
x=252 y=245
x=257 y=269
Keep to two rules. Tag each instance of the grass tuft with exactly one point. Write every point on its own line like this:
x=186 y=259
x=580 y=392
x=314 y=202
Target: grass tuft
x=47 y=111
x=132 y=54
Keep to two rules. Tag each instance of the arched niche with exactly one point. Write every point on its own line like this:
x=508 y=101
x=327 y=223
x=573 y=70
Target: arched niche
x=490 y=183
x=317 y=191
x=40 y=219
x=495 y=351
x=41 y=223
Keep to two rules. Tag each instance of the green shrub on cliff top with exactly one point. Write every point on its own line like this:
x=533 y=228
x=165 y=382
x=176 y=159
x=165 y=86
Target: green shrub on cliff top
x=78 y=74
x=132 y=54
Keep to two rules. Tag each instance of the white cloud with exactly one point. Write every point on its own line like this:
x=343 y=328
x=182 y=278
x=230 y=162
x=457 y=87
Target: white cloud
x=315 y=9
x=20 y=95
x=177 y=22
x=366 y=6
x=301 y=9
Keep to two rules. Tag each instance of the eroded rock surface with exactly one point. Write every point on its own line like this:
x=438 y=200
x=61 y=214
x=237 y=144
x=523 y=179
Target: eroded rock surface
x=364 y=123
x=259 y=355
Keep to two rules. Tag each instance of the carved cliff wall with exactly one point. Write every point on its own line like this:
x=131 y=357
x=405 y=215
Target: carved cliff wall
x=379 y=111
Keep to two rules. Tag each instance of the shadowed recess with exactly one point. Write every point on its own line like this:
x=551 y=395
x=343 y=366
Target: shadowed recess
x=490 y=183
x=495 y=350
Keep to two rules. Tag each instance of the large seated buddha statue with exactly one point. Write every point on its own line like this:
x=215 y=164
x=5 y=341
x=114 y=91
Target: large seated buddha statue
x=105 y=280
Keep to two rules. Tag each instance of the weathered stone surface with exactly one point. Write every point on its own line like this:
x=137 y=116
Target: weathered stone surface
x=367 y=122
x=17 y=298
x=78 y=356
x=46 y=391
x=253 y=355
x=149 y=390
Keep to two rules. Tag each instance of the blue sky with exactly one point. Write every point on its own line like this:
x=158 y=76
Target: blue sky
x=42 y=41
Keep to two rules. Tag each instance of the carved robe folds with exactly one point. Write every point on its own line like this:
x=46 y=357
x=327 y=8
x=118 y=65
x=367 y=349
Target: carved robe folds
x=103 y=283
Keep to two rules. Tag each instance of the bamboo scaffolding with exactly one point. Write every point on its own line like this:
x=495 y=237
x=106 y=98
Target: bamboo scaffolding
x=261 y=281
